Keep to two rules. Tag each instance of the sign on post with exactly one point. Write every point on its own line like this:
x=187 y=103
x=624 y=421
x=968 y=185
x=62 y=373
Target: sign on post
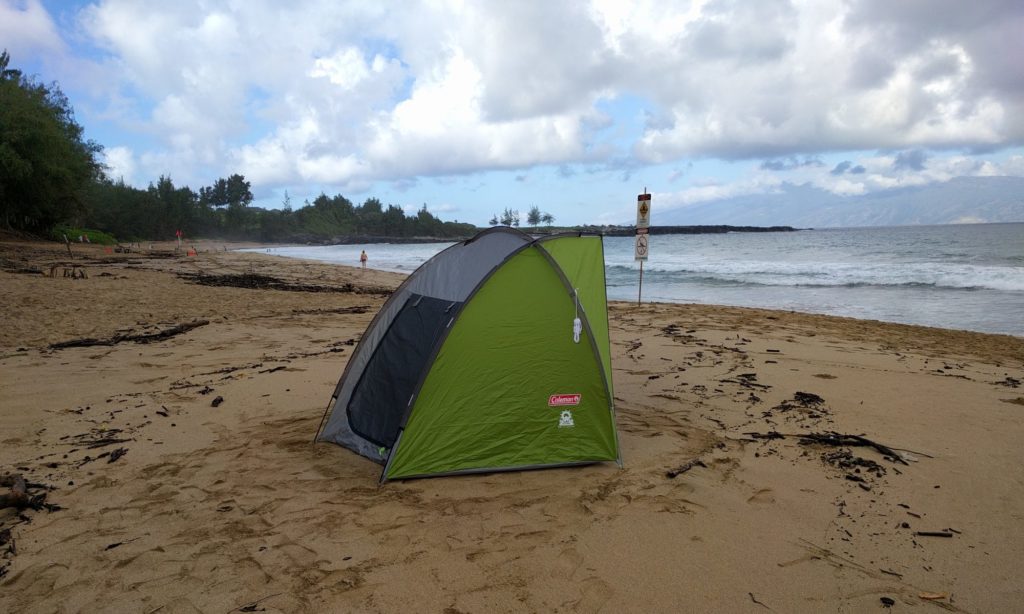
x=642 y=245
x=643 y=211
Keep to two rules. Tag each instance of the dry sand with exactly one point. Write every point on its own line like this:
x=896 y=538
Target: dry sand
x=213 y=509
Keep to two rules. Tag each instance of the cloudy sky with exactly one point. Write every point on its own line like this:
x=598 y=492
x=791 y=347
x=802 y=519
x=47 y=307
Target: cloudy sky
x=574 y=107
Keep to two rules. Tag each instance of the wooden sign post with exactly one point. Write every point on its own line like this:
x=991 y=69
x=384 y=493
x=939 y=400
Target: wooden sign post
x=642 y=244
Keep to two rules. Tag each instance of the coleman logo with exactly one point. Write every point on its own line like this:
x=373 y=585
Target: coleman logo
x=561 y=400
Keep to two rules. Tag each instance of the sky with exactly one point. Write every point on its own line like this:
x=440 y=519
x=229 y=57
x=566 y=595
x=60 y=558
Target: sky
x=573 y=107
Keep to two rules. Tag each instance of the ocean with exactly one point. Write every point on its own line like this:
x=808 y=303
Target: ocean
x=968 y=277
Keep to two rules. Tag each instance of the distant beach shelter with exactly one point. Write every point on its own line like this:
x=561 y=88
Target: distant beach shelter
x=492 y=356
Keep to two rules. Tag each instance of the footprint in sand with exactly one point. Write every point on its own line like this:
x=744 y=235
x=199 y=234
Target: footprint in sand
x=568 y=562
x=596 y=593
x=762 y=497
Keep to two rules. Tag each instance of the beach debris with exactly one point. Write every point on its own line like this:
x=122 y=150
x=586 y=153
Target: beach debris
x=890 y=572
x=271 y=370
x=834 y=439
x=116 y=454
x=139 y=338
x=844 y=459
x=18 y=496
x=21 y=497
x=257 y=281
x=934 y=533
x=353 y=309
x=747 y=380
x=887 y=601
x=808 y=399
x=217 y=401
x=255 y=605
x=754 y=599
x=97 y=438
x=1009 y=382
x=930 y=596
x=671 y=474
x=119 y=544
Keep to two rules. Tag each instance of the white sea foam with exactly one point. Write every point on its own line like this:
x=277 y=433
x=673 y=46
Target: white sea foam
x=838 y=274
x=952 y=276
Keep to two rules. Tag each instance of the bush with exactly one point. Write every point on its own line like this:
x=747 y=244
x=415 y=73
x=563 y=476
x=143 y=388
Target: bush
x=95 y=236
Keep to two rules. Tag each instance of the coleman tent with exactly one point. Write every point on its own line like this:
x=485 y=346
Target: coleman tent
x=492 y=356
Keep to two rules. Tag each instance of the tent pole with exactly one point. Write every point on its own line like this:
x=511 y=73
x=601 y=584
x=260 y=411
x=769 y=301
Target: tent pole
x=326 y=409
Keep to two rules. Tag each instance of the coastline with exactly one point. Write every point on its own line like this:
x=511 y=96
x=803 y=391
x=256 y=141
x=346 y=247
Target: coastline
x=219 y=507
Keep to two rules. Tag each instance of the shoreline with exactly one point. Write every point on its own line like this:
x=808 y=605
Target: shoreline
x=217 y=505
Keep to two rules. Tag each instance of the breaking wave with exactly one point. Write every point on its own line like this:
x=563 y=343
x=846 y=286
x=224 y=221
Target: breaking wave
x=834 y=274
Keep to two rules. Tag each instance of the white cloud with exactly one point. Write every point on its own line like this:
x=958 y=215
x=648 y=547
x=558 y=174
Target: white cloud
x=346 y=94
x=718 y=191
x=26 y=27
x=120 y=163
x=346 y=68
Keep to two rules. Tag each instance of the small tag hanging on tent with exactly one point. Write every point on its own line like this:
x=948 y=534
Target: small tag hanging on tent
x=577 y=324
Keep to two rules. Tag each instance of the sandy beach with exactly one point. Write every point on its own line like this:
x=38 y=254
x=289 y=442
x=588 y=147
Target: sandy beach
x=165 y=405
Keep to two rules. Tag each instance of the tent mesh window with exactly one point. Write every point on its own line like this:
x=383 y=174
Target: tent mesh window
x=382 y=395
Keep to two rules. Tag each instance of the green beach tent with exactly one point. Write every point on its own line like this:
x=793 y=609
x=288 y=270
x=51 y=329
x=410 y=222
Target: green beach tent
x=492 y=356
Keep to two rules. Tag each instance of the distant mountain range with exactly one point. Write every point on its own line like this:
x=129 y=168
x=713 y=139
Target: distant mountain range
x=957 y=201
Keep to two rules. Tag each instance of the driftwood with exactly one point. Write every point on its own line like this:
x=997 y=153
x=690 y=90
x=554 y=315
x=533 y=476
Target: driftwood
x=835 y=439
x=684 y=468
x=354 y=309
x=139 y=338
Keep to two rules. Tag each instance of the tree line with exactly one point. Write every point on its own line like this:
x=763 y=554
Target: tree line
x=50 y=175
x=510 y=217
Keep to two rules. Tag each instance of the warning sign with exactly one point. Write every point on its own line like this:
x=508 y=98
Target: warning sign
x=641 y=248
x=643 y=211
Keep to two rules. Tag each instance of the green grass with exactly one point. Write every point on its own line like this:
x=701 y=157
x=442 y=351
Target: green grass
x=95 y=236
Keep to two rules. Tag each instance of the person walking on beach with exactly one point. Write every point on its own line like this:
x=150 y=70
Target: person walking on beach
x=362 y=259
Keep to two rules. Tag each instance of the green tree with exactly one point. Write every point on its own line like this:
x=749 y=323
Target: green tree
x=533 y=216
x=547 y=218
x=176 y=209
x=227 y=192
x=46 y=165
x=231 y=196
x=394 y=222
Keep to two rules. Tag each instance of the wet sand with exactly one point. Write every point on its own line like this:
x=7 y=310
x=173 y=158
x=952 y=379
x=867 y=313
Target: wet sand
x=215 y=508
